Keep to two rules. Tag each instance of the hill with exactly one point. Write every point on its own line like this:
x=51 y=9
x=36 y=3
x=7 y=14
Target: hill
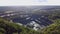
x=7 y=27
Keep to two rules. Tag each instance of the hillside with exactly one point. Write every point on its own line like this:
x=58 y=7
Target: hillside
x=29 y=14
x=7 y=27
x=53 y=28
x=45 y=20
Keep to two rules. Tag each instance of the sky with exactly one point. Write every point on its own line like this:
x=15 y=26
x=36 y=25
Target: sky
x=28 y=2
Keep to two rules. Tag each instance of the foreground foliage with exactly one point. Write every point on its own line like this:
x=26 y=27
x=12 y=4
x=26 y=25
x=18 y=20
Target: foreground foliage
x=53 y=28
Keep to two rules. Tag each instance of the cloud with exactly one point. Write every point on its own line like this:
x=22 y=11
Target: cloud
x=28 y=2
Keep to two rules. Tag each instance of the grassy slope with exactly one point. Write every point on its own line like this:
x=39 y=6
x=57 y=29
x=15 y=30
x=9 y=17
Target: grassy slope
x=53 y=28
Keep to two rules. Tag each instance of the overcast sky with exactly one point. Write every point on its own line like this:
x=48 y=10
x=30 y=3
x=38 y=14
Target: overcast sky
x=28 y=2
